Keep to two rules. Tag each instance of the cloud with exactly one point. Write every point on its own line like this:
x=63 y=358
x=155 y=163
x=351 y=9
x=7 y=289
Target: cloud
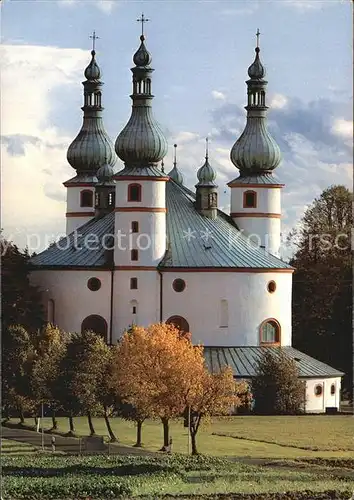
x=278 y=101
x=33 y=151
x=184 y=137
x=308 y=5
x=219 y=96
x=343 y=128
x=104 y=5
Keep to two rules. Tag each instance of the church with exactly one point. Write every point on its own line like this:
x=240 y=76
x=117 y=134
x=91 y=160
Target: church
x=143 y=248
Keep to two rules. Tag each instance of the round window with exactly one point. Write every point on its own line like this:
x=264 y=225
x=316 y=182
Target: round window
x=179 y=285
x=94 y=284
x=318 y=390
x=271 y=287
x=333 y=389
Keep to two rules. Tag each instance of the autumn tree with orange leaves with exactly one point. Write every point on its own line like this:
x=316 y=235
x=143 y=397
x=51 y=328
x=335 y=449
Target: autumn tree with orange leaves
x=156 y=369
x=160 y=372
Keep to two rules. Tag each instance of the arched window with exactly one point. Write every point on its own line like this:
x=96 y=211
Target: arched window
x=86 y=198
x=96 y=324
x=51 y=311
x=333 y=389
x=212 y=200
x=270 y=332
x=249 y=199
x=224 y=314
x=179 y=322
x=134 y=192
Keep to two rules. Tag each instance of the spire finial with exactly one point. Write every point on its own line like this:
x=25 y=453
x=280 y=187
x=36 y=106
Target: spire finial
x=94 y=37
x=257 y=35
x=206 y=148
x=142 y=20
x=175 y=155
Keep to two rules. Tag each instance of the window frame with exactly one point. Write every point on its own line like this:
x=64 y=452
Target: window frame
x=130 y=188
x=134 y=283
x=83 y=192
x=245 y=193
x=135 y=226
x=134 y=255
x=277 y=341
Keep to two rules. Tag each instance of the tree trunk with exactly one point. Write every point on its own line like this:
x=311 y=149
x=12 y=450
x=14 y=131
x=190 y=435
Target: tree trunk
x=54 y=422
x=166 y=434
x=22 y=418
x=139 y=425
x=109 y=428
x=71 y=424
x=35 y=421
x=194 y=443
x=89 y=418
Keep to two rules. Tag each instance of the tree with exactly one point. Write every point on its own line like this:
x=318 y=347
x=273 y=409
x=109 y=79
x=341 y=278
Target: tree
x=163 y=366
x=322 y=292
x=50 y=349
x=17 y=359
x=277 y=389
x=21 y=302
x=82 y=370
x=106 y=395
x=130 y=413
x=213 y=394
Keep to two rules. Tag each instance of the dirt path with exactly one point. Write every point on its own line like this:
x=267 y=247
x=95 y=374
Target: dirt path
x=69 y=445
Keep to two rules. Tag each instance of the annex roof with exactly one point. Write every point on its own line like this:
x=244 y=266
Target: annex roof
x=244 y=361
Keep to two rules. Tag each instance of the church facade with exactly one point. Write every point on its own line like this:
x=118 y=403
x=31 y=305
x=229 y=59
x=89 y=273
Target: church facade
x=142 y=248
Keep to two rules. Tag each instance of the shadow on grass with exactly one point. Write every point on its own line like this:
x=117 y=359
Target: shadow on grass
x=78 y=469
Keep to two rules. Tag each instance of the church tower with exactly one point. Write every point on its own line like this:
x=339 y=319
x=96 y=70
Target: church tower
x=91 y=149
x=206 y=189
x=140 y=218
x=255 y=194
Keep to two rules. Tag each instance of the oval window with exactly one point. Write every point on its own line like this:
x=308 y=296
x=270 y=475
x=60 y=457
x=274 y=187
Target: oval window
x=318 y=390
x=94 y=284
x=333 y=389
x=271 y=287
x=179 y=285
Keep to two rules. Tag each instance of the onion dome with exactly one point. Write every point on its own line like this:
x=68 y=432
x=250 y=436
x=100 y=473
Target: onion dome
x=142 y=56
x=92 y=72
x=175 y=173
x=142 y=144
x=92 y=147
x=105 y=174
x=256 y=152
x=257 y=70
x=206 y=174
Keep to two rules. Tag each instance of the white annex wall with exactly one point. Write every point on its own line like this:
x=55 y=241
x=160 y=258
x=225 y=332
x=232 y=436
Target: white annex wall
x=72 y=298
x=249 y=304
x=73 y=205
x=318 y=404
x=268 y=199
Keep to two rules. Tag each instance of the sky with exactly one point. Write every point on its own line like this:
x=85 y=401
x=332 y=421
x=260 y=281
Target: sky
x=200 y=52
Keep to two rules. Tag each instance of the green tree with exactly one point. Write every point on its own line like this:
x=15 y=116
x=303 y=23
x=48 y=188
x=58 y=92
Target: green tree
x=80 y=377
x=18 y=356
x=277 y=389
x=322 y=292
x=51 y=349
x=21 y=301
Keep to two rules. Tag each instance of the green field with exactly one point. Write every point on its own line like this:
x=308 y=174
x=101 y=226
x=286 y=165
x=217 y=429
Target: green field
x=103 y=477
x=242 y=436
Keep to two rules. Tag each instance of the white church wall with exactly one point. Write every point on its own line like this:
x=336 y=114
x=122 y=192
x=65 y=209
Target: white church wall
x=249 y=304
x=73 y=301
x=268 y=199
x=150 y=240
x=264 y=231
x=73 y=207
x=318 y=403
x=153 y=193
x=145 y=299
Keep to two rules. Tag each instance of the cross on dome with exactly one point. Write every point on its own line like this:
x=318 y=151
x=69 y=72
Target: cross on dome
x=94 y=37
x=257 y=35
x=142 y=20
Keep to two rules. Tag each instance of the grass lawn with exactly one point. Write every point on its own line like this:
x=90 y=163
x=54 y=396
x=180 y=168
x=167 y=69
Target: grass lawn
x=13 y=448
x=264 y=437
x=106 y=477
